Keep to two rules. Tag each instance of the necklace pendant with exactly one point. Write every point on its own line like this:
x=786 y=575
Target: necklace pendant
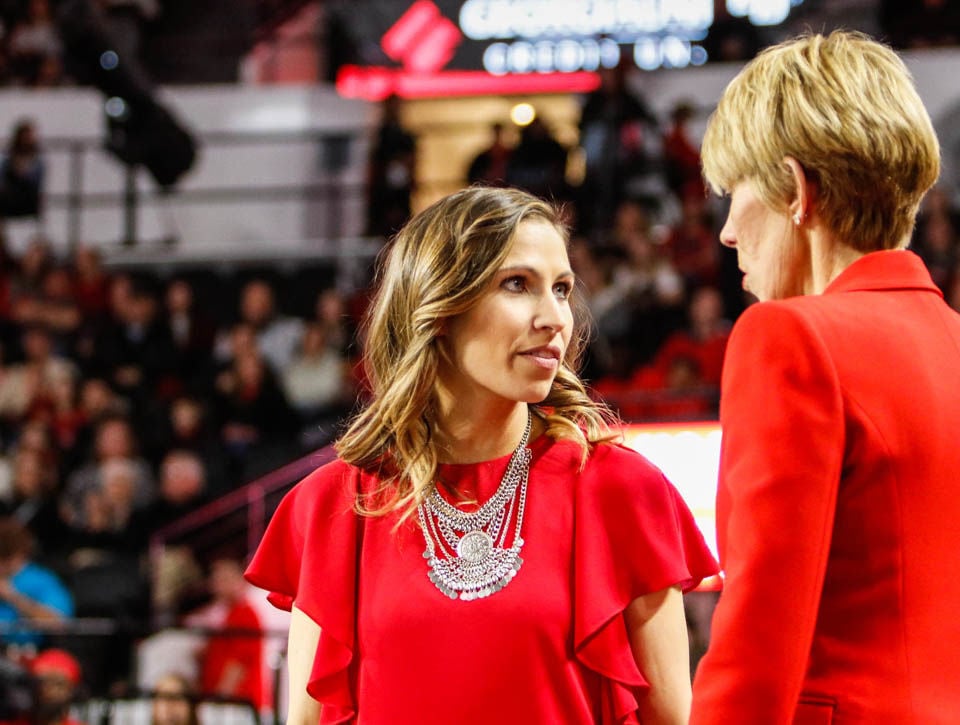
x=479 y=562
x=475 y=546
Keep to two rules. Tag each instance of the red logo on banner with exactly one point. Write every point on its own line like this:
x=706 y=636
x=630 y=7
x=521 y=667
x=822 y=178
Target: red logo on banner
x=423 y=41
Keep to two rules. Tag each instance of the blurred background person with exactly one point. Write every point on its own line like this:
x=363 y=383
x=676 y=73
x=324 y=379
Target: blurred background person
x=59 y=683
x=28 y=591
x=231 y=663
x=489 y=167
x=173 y=701
x=22 y=171
x=391 y=172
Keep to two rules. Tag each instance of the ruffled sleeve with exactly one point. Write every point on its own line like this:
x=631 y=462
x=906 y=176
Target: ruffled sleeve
x=633 y=535
x=308 y=558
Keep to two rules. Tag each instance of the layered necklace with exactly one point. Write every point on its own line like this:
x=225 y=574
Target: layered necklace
x=468 y=554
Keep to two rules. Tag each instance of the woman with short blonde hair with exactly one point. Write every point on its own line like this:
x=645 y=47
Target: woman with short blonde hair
x=840 y=401
x=845 y=107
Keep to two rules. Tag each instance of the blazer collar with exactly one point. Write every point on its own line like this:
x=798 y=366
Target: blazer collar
x=892 y=269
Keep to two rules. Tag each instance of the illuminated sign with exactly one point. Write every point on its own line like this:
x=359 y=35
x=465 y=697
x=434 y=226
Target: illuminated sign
x=473 y=47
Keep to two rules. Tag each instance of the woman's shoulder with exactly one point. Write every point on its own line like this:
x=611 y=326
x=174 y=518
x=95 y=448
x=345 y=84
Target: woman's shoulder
x=615 y=464
x=610 y=468
x=333 y=484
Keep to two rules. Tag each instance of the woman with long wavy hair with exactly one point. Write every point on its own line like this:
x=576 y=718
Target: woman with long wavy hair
x=482 y=550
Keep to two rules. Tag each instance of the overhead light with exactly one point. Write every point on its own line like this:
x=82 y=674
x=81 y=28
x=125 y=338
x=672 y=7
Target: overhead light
x=523 y=114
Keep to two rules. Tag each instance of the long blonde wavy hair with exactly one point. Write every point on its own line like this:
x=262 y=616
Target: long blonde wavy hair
x=437 y=267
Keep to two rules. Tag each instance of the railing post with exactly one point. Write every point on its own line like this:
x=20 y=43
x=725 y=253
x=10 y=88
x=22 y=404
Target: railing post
x=130 y=203
x=75 y=196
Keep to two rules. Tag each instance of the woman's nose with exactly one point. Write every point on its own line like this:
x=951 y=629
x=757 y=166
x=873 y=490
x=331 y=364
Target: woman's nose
x=727 y=237
x=550 y=313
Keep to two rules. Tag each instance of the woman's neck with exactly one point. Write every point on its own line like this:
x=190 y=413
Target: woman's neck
x=829 y=258
x=471 y=436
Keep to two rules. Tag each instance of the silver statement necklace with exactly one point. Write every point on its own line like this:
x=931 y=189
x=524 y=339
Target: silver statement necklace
x=467 y=553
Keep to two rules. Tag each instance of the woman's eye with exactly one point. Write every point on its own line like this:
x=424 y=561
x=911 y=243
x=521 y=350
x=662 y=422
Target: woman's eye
x=562 y=290
x=515 y=284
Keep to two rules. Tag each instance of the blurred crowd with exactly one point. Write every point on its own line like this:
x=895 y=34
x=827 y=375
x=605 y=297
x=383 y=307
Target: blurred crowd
x=129 y=400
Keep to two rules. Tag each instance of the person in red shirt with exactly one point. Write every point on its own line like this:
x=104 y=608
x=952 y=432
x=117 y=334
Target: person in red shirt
x=838 y=495
x=231 y=664
x=482 y=550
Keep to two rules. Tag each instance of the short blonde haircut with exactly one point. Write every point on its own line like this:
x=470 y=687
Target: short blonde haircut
x=845 y=107
x=437 y=267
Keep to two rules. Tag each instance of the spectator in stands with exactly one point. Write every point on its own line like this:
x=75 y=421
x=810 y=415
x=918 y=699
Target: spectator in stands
x=91 y=284
x=27 y=284
x=231 y=664
x=32 y=500
x=391 y=172
x=61 y=412
x=692 y=246
x=317 y=381
x=538 y=163
x=101 y=494
x=489 y=167
x=134 y=347
x=681 y=157
x=22 y=172
x=34 y=435
x=32 y=41
x=682 y=395
x=704 y=341
x=28 y=591
x=173 y=701
x=643 y=292
x=97 y=401
x=277 y=336
x=188 y=426
x=191 y=331
x=331 y=313
x=56 y=307
x=27 y=384
x=182 y=488
x=682 y=381
x=101 y=509
x=59 y=677
x=252 y=409
x=592 y=277
x=615 y=130
x=936 y=237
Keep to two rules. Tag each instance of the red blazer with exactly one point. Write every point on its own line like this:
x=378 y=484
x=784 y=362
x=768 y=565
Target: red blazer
x=838 y=509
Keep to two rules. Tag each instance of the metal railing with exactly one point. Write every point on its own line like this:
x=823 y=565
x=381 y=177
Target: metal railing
x=243 y=512
x=130 y=193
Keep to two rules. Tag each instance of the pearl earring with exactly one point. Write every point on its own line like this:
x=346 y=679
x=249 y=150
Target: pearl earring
x=797 y=219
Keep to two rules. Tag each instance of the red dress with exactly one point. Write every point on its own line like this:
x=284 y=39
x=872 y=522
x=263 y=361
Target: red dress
x=551 y=647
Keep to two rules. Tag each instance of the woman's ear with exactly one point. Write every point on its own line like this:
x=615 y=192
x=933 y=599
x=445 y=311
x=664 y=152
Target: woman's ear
x=799 y=206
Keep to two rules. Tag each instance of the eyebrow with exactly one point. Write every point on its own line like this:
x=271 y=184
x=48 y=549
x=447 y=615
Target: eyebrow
x=531 y=270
